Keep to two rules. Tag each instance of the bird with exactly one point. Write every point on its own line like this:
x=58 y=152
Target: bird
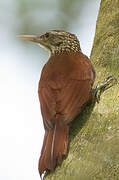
x=65 y=86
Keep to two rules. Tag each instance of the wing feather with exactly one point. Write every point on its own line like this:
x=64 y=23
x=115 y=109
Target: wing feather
x=67 y=102
x=73 y=98
x=48 y=106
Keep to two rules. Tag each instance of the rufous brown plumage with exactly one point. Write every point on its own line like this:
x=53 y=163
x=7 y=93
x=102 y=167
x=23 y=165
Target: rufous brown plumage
x=64 y=87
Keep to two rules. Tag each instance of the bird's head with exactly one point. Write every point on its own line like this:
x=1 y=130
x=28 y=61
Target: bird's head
x=56 y=41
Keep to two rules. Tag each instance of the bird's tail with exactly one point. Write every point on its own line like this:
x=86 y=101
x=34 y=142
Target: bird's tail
x=54 y=146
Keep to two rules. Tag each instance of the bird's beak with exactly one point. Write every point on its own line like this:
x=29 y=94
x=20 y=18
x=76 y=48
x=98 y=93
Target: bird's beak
x=33 y=38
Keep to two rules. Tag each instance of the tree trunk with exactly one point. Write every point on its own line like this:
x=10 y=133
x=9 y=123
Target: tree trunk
x=94 y=135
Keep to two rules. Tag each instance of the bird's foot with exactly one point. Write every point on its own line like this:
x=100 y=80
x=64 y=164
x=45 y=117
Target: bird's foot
x=104 y=85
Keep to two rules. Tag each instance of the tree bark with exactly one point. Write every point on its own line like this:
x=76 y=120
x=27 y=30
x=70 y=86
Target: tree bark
x=94 y=134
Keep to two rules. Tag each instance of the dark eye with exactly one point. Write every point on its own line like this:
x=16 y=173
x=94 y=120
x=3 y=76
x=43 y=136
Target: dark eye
x=47 y=35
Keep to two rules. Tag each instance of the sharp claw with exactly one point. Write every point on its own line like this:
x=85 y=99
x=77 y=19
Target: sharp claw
x=97 y=95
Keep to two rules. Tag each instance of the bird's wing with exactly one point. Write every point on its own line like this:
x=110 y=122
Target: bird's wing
x=66 y=101
x=73 y=97
x=48 y=105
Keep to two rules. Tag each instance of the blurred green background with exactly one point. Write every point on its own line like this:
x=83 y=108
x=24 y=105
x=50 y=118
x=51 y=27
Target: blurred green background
x=21 y=128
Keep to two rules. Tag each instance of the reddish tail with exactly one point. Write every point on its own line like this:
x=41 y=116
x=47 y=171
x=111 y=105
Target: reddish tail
x=54 y=146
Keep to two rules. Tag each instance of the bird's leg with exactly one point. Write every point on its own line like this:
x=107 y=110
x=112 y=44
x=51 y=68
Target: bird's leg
x=100 y=88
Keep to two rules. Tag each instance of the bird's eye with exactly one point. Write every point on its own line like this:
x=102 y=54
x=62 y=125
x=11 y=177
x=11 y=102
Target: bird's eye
x=47 y=35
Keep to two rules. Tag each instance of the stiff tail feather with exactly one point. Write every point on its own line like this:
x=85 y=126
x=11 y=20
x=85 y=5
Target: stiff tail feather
x=55 y=145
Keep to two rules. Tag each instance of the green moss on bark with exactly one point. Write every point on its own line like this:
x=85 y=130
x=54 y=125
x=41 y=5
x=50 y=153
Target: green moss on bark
x=105 y=52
